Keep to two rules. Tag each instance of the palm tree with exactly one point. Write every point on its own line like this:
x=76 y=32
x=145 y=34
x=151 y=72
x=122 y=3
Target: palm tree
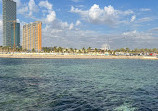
x=33 y=50
x=146 y=50
x=0 y=48
x=60 y=49
x=80 y=51
x=154 y=50
x=117 y=50
x=96 y=50
x=55 y=49
x=83 y=50
x=71 y=50
x=67 y=50
x=127 y=49
x=89 y=49
x=122 y=50
x=142 y=50
x=136 y=50
x=24 y=50
x=102 y=51
x=75 y=50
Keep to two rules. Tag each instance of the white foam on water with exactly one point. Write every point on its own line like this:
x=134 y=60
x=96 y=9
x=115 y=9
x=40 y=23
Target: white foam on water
x=125 y=107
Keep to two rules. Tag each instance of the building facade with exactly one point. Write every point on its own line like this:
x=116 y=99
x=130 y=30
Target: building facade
x=32 y=36
x=15 y=35
x=9 y=16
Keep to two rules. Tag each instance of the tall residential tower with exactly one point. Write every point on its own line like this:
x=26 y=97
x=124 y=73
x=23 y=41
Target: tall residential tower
x=9 y=16
x=32 y=36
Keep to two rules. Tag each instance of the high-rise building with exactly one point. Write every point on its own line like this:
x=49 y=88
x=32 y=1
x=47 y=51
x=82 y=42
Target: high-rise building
x=15 y=35
x=9 y=16
x=32 y=36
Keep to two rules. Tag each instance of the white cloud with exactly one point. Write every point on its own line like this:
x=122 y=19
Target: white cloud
x=145 y=9
x=27 y=9
x=46 y=4
x=145 y=19
x=137 y=35
x=128 y=33
x=133 y=18
x=75 y=0
x=127 y=12
x=78 y=23
x=63 y=25
x=78 y=11
x=154 y=29
x=32 y=7
x=17 y=20
x=18 y=2
x=107 y=16
x=134 y=39
x=1 y=24
x=23 y=10
x=71 y=26
x=51 y=17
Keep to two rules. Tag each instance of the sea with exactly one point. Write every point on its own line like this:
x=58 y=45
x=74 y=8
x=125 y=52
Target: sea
x=78 y=85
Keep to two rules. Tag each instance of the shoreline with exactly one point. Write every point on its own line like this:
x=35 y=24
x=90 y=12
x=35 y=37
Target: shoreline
x=50 y=56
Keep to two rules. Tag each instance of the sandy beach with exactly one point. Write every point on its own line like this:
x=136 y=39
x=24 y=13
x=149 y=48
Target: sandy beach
x=51 y=56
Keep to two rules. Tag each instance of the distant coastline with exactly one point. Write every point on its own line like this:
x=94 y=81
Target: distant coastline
x=58 y=56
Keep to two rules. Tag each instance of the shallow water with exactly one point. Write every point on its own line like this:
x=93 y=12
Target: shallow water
x=78 y=85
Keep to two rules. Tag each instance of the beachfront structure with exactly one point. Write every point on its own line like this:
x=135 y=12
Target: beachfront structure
x=15 y=35
x=32 y=36
x=9 y=15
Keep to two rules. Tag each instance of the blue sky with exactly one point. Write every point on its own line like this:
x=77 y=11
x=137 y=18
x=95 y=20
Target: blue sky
x=95 y=23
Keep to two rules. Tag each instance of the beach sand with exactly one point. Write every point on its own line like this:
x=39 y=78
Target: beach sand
x=50 y=56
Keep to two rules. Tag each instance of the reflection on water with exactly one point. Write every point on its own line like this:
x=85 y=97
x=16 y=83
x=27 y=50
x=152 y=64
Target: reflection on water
x=78 y=85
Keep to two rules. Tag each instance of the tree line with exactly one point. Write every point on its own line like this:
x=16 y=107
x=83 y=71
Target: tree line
x=56 y=49
x=96 y=50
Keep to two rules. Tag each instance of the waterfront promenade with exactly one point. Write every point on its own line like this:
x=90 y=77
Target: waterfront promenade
x=71 y=56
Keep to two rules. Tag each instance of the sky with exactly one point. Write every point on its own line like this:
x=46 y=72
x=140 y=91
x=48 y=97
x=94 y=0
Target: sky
x=94 y=23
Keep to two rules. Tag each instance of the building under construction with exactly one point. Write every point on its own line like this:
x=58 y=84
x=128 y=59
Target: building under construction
x=32 y=36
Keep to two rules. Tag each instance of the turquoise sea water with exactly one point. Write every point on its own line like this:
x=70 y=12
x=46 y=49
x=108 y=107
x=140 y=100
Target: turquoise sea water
x=78 y=85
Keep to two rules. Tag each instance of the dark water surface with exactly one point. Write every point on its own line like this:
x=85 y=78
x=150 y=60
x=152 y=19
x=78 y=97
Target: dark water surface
x=78 y=85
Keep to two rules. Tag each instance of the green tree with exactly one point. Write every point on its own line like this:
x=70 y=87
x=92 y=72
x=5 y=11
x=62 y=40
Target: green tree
x=89 y=49
x=146 y=50
x=142 y=50
x=33 y=50
x=96 y=50
x=154 y=50
x=136 y=50
x=83 y=50
x=117 y=50
x=127 y=50
x=55 y=49
x=67 y=51
x=79 y=51
x=75 y=50
x=71 y=50
x=60 y=49
x=122 y=50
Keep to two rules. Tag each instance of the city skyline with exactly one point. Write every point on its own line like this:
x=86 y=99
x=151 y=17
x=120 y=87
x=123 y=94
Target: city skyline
x=78 y=24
